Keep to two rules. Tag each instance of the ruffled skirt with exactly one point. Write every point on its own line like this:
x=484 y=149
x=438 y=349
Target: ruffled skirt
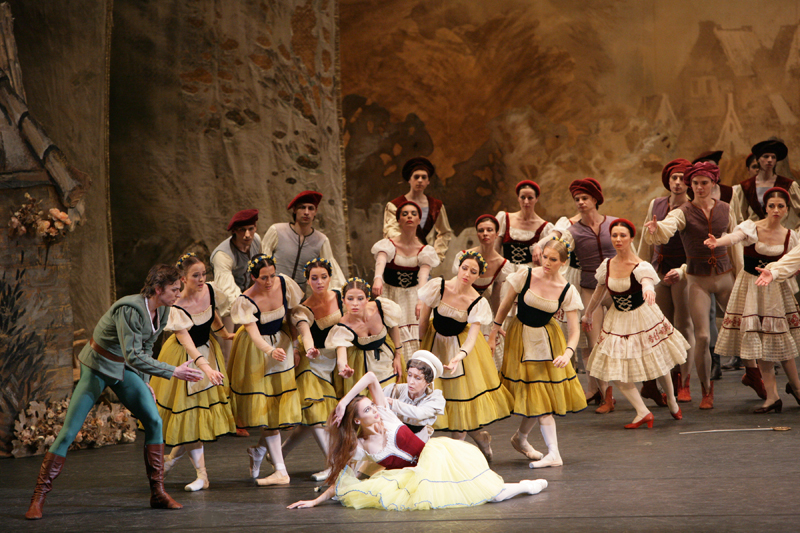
x=315 y=387
x=449 y=474
x=636 y=346
x=362 y=362
x=476 y=397
x=760 y=322
x=263 y=390
x=197 y=411
x=538 y=387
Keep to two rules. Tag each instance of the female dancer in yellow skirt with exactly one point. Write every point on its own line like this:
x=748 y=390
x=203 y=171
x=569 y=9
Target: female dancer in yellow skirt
x=536 y=365
x=366 y=339
x=442 y=473
x=470 y=384
x=261 y=365
x=193 y=413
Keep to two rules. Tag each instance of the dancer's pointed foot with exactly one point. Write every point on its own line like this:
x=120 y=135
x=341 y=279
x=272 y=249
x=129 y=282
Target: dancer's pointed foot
x=548 y=460
x=521 y=444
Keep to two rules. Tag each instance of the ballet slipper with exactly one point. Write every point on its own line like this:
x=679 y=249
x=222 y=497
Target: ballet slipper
x=322 y=475
x=276 y=478
x=200 y=483
x=548 y=460
x=523 y=446
x=534 y=486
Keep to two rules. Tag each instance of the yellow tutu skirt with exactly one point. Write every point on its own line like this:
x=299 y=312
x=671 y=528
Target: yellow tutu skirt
x=362 y=362
x=538 y=387
x=449 y=473
x=317 y=396
x=197 y=411
x=259 y=399
x=476 y=397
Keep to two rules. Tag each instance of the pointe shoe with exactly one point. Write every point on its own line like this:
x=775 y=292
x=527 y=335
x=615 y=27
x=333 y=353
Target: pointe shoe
x=525 y=448
x=322 y=475
x=608 y=404
x=708 y=397
x=651 y=392
x=790 y=390
x=484 y=444
x=535 y=486
x=752 y=378
x=256 y=457
x=198 y=484
x=597 y=398
x=241 y=432
x=774 y=406
x=276 y=478
x=546 y=461
x=646 y=419
x=678 y=415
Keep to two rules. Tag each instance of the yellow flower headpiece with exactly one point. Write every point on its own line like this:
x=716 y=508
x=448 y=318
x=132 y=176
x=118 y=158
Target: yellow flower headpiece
x=358 y=280
x=183 y=258
x=307 y=269
x=563 y=241
x=251 y=265
x=482 y=265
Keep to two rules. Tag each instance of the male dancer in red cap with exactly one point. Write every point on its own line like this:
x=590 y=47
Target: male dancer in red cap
x=295 y=243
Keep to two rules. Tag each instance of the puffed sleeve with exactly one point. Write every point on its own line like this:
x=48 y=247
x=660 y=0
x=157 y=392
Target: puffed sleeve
x=392 y=313
x=501 y=230
x=338 y=278
x=569 y=239
x=745 y=233
x=444 y=234
x=481 y=312
x=645 y=270
x=222 y=264
x=243 y=311
x=739 y=205
x=674 y=221
x=794 y=239
x=391 y=229
x=602 y=270
x=430 y=293
x=455 y=261
x=517 y=279
x=507 y=269
x=270 y=241
x=428 y=256
x=294 y=294
x=572 y=300
x=178 y=320
x=645 y=250
x=385 y=246
x=338 y=337
x=301 y=313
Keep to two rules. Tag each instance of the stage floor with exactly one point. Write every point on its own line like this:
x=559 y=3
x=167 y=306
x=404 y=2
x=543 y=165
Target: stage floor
x=612 y=480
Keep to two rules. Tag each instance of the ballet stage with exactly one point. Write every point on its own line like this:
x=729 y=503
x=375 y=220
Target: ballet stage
x=613 y=480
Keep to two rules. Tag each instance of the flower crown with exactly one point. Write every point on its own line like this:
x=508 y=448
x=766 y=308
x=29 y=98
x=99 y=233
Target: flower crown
x=358 y=280
x=563 y=241
x=257 y=259
x=183 y=258
x=307 y=270
x=482 y=265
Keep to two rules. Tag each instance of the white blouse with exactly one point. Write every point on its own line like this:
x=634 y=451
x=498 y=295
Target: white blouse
x=430 y=295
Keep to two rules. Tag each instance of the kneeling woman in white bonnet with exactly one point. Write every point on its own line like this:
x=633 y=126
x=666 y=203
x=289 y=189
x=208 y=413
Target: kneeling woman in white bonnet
x=416 y=403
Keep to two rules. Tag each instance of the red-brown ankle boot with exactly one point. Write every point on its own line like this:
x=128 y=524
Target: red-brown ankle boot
x=154 y=464
x=608 y=403
x=708 y=397
x=51 y=467
x=650 y=391
x=684 y=394
x=752 y=378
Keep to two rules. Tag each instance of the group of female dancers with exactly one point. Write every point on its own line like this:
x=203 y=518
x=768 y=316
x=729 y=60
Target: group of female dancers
x=498 y=338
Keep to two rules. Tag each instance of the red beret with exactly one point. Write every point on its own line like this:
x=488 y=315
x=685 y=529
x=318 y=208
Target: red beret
x=488 y=217
x=247 y=217
x=405 y=203
x=703 y=168
x=418 y=163
x=306 y=197
x=588 y=186
x=623 y=222
x=678 y=166
x=528 y=183
x=781 y=190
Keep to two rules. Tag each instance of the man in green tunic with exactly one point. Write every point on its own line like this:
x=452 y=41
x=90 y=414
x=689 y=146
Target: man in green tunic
x=120 y=356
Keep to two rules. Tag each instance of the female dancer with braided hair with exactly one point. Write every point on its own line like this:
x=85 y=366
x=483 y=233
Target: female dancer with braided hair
x=470 y=384
x=442 y=473
x=263 y=389
x=763 y=323
x=536 y=366
x=402 y=265
x=193 y=413
x=636 y=342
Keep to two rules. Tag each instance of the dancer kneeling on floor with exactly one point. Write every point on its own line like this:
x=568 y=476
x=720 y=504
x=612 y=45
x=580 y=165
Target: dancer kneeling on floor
x=442 y=473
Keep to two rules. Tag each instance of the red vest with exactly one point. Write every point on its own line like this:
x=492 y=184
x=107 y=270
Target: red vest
x=751 y=194
x=434 y=208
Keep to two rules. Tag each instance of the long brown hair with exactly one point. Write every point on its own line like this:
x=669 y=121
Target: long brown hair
x=342 y=439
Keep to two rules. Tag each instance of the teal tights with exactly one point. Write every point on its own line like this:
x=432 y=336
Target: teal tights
x=132 y=392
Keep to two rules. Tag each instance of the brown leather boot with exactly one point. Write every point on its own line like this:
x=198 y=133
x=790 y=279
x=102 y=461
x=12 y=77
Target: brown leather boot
x=708 y=397
x=51 y=468
x=752 y=378
x=154 y=464
x=651 y=392
x=684 y=394
x=608 y=403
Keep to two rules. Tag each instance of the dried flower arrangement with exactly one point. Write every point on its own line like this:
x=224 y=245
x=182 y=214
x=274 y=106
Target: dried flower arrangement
x=37 y=430
x=30 y=219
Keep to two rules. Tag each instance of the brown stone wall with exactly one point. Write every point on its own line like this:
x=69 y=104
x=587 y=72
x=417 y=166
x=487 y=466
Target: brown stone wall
x=218 y=107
